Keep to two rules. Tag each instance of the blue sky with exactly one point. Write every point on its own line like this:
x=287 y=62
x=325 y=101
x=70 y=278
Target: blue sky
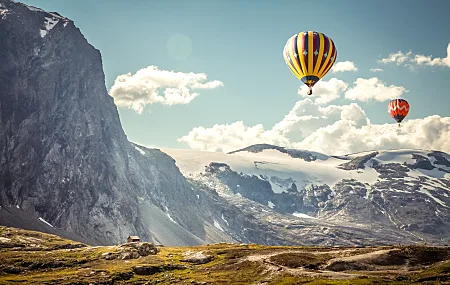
x=240 y=43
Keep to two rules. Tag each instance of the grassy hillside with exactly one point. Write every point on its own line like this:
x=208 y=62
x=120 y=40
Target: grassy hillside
x=28 y=257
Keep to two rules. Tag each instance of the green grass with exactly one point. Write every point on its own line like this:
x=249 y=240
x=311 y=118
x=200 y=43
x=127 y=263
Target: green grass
x=300 y=259
x=51 y=265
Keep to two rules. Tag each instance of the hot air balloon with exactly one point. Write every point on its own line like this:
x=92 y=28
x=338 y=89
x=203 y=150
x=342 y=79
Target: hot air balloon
x=309 y=55
x=398 y=109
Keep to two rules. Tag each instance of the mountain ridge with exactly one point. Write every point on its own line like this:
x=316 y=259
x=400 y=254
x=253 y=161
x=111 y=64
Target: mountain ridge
x=372 y=189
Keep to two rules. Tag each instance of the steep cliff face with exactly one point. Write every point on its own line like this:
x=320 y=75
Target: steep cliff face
x=63 y=154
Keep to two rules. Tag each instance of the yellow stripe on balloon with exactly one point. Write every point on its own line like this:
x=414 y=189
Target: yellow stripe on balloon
x=291 y=54
x=322 y=69
x=320 y=55
x=310 y=52
x=332 y=61
x=300 y=56
x=289 y=64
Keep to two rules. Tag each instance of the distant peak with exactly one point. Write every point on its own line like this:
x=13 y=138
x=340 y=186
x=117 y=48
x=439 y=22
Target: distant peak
x=294 y=153
x=258 y=148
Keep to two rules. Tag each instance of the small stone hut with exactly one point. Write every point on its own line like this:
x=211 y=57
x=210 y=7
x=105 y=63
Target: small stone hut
x=133 y=239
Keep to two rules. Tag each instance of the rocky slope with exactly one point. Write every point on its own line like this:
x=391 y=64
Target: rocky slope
x=374 y=197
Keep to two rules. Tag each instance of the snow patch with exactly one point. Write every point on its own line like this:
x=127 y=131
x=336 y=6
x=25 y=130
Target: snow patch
x=424 y=191
x=270 y=204
x=168 y=215
x=45 y=222
x=301 y=215
x=436 y=173
x=275 y=166
x=49 y=23
x=35 y=9
x=223 y=218
x=217 y=225
x=398 y=156
x=3 y=12
x=140 y=150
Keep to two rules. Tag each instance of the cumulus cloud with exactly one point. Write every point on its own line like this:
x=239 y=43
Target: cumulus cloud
x=408 y=59
x=344 y=137
x=344 y=66
x=428 y=60
x=373 y=89
x=325 y=91
x=376 y=70
x=306 y=117
x=302 y=121
x=333 y=130
x=398 y=57
x=151 y=85
x=230 y=137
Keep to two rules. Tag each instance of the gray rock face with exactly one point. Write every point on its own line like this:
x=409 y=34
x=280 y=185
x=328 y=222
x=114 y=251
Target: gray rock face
x=358 y=162
x=63 y=154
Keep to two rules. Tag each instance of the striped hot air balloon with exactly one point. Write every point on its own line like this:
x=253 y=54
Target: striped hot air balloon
x=398 y=109
x=309 y=55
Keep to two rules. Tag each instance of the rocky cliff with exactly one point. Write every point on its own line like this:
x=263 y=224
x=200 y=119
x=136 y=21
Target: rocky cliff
x=64 y=157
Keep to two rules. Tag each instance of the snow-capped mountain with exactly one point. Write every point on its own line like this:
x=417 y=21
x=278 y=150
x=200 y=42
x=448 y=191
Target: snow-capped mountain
x=402 y=191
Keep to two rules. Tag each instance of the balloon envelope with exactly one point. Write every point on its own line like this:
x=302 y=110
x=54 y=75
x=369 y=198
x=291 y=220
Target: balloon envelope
x=398 y=109
x=309 y=55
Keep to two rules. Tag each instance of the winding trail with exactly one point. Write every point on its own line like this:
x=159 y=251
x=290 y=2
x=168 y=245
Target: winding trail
x=274 y=269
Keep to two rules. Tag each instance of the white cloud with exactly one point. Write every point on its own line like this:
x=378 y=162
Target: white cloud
x=428 y=60
x=398 y=57
x=373 y=89
x=408 y=59
x=376 y=70
x=344 y=66
x=344 y=137
x=325 y=91
x=332 y=130
x=230 y=137
x=151 y=85
x=306 y=117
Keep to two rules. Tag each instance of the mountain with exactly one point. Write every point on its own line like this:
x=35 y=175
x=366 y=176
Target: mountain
x=389 y=196
x=67 y=167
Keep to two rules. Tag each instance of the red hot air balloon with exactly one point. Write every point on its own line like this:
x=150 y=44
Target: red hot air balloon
x=398 y=109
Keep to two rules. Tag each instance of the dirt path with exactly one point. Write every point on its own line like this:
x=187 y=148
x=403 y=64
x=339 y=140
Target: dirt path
x=274 y=269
